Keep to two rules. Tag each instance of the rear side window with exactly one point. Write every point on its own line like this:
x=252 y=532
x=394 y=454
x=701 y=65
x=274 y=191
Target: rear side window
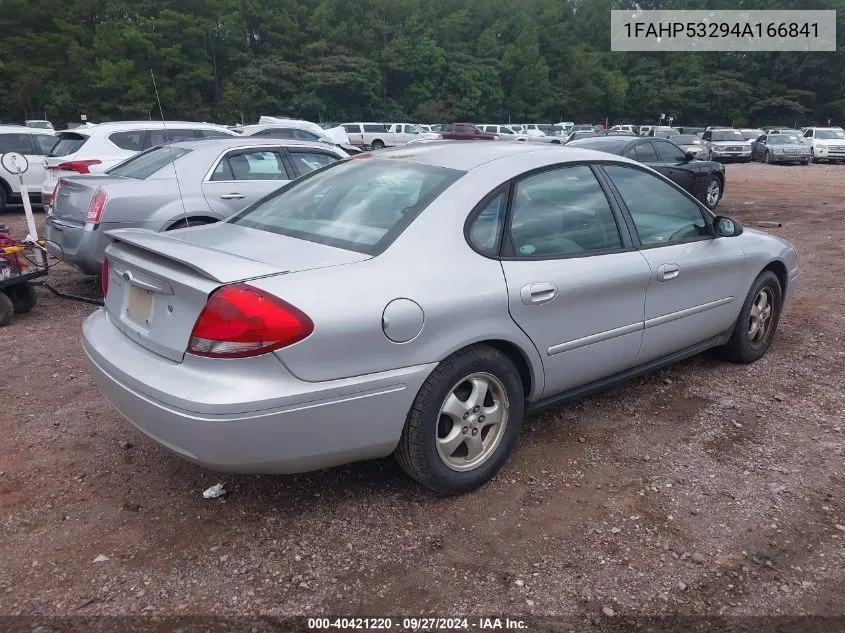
x=669 y=153
x=359 y=205
x=14 y=142
x=309 y=161
x=562 y=212
x=131 y=141
x=275 y=133
x=352 y=129
x=250 y=165
x=69 y=143
x=159 y=137
x=485 y=229
x=375 y=128
x=145 y=164
x=212 y=134
x=44 y=142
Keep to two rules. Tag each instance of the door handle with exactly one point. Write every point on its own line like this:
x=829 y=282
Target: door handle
x=231 y=196
x=668 y=271
x=536 y=294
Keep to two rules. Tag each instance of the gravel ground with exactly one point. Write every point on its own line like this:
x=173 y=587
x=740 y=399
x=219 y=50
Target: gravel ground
x=707 y=488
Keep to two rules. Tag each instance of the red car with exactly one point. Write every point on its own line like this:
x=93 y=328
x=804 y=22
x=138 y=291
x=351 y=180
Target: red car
x=466 y=132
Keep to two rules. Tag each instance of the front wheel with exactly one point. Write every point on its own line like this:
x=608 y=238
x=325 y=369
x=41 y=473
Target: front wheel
x=7 y=309
x=755 y=327
x=464 y=421
x=710 y=191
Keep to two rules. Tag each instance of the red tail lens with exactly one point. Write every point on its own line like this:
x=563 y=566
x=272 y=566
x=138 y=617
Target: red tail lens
x=50 y=198
x=80 y=166
x=95 y=209
x=240 y=321
x=104 y=277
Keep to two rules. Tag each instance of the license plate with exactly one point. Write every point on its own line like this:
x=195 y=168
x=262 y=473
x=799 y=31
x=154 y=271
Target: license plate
x=139 y=306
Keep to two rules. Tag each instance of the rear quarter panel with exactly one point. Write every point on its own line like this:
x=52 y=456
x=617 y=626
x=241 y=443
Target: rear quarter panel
x=463 y=296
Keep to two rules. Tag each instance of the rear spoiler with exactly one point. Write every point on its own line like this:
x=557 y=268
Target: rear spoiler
x=211 y=263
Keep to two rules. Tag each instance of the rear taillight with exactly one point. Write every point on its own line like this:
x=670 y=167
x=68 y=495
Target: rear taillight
x=240 y=321
x=80 y=166
x=95 y=209
x=104 y=277
x=50 y=198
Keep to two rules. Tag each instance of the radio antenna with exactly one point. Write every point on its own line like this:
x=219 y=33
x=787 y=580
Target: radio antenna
x=172 y=157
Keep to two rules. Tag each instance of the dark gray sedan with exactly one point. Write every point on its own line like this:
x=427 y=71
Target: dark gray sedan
x=780 y=148
x=185 y=183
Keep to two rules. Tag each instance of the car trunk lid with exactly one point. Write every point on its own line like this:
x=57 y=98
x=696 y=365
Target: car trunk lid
x=158 y=283
x=74 y=196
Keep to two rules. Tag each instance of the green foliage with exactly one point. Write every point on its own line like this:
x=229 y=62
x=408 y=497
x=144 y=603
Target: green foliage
x=425 y=60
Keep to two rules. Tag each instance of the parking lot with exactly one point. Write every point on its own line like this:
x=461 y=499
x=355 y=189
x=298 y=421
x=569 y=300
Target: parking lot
x=705 y=488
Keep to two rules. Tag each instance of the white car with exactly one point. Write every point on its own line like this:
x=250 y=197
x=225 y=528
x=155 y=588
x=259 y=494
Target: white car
x=295 y=130
x=825 y=143
x=96 y=148
x=33 y=144
x=406 y=132
x=625 y=128
x=505 y=132
x=43 y=124
x=532 y=129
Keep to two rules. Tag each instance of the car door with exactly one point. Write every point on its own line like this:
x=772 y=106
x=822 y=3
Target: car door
x=675 y=163
x=355 y=133
x=758 y=148
x=645 y=153
x=695 y=291
x=241 y=176
x=575 y=285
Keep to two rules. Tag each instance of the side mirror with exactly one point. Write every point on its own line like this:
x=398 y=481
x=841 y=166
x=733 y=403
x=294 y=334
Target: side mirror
x=726 y=227
x=690 y=155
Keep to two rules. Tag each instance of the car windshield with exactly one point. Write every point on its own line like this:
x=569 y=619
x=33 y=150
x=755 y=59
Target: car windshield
x=361 y=204
x=44 y=125
x=750 y=135
x=728 y=135
x=666 y=133
x=830 y=134
x=143 y=165
x=686 y=139
x=783 y=139
x=503 y=129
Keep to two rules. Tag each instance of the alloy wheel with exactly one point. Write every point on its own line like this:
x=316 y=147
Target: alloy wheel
x=712 y=193
x=759 y=320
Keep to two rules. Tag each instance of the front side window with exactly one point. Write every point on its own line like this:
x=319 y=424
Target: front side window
x=360 y=205
x=669 y=153
x=309 y=161
x=562 y=212
x=661 y=213
x=485 y=228
x=644 y=153
x=143 y=165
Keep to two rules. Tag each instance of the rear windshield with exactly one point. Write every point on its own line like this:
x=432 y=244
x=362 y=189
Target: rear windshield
x=69 y=143
x=143 y=165
x=359 y=204
x=686 y=139
x=783 y=139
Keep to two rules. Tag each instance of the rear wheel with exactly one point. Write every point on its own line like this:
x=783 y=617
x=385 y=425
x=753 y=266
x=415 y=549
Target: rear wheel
x=7 y=309
x=755 y=327
x=464 y=421
x=378 y=144
x=23 y=297
x=766 y=159
x=3 y=199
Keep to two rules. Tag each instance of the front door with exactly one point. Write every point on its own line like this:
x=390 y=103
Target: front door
x=574 y=285
x=695 y=287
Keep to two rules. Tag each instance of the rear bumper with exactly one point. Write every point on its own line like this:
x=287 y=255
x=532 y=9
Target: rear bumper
x=249 y=415
x=80 y=245
x=786 y=158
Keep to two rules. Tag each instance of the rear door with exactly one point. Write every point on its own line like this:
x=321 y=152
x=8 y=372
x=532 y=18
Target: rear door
x=646 y=154
x=576 y=287
x=695 y=282
x=354 y=132
x=241 y=176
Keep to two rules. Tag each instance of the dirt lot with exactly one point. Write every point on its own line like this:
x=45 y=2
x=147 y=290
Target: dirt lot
x=708 y=488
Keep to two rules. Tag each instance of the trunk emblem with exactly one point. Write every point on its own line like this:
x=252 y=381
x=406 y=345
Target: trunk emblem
x=127 y=275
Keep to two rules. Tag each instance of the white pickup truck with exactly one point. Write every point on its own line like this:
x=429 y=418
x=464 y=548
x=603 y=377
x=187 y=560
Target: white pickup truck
x=379 y=135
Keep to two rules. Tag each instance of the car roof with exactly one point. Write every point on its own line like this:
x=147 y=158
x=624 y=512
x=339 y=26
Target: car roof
x=220 y=144
x=467 y=155
x=146 y=125
x=24 y=129
x=612 y=144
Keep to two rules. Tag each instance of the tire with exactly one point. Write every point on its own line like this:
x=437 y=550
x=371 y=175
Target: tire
x=766 y=159
x=183 y=224
x=4 y=199
x=743 y=346
x=23 y=297
x=419 y=453
x=378 y=144
x=706 y=191
x=7 y=309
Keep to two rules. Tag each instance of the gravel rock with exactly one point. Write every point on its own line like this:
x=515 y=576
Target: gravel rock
x=519 y=582
x=698 y=558
x=682 y=586
x=608 y=611
x=101 y=558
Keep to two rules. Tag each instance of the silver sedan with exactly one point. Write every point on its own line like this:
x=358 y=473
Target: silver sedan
x=184 y=183
x=421 y=302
